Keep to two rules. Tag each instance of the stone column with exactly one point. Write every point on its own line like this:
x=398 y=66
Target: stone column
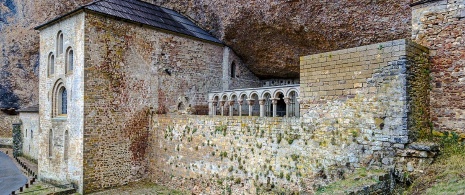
x=240 y=101
x=214 y=108
x=287 y=100
x=262 y=107
x=231 y=108
x=210 y=108
x=274 y=101
x=298 y=102
x=222 y=102
x=251 y=103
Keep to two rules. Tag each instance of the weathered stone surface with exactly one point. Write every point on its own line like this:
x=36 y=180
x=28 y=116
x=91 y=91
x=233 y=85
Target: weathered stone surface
x=269 y=35
x=6 y=124
x=441 y=27
x=431 y=147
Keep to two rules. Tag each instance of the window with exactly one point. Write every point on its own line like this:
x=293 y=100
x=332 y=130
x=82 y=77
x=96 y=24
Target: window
x=69 y=60
x=51 y=64
x=63 y=106
x=50 y=143
x=26 y=133
x=233 y=70
x=66 y=146
x=59 y=43
x=59 y=99
x=32 y=137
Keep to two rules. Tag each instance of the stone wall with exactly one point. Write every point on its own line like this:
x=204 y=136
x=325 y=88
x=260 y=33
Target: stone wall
x=373 y=91
x=360 y=106
x=130 y=71
x=53 y=165
x=30 y=132
x=6 y=123
x=440 y=26
x=245 y=154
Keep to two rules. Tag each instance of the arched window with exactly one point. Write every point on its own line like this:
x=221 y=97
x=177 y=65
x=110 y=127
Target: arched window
x=69 y=60
x=59 y=99
x=50 y=143
x=63 y=104
x=59 y=43
x=66 y=146
x=51 y=64
x=233 y=70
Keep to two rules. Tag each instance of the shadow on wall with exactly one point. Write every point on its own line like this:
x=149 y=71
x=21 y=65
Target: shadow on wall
x=7 y=98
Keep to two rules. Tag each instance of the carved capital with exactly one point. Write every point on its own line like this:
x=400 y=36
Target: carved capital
x=287 y=100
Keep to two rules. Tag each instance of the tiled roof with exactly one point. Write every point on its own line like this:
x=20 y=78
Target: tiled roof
x=148 y=14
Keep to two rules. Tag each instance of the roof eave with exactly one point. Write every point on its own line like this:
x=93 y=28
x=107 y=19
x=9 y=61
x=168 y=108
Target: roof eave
x=422 y=2
x=53 y=21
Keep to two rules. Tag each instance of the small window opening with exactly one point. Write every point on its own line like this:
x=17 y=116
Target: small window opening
x=233 y=70
x=60 y=43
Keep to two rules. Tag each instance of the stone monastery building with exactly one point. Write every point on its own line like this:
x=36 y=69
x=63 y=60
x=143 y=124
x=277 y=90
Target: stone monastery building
x=131 y=90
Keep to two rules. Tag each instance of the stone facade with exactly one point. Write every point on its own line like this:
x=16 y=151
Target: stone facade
x=54 y=167
x=6 y=122
x=30 y=131
x=440 y=26
x=131 y=70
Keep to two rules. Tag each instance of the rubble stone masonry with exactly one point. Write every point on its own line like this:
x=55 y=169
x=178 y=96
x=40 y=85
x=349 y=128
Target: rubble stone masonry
x=6 y=124
x=359 y=107
x=440 y=26
x=131 y=70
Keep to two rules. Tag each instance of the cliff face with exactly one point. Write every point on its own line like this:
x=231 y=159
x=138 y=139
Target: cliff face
x=269 y=35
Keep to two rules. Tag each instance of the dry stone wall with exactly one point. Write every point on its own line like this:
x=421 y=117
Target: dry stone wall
x=440 y=26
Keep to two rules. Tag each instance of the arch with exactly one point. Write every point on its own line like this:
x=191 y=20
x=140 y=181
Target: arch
x=59 y=42
x=253 y=94
x=262 y=95
x=224 y=97
x=181 y=106
x=216 y=97
x=66 y=146
x=292 y=90
x=69 y=60
x=276 y=93
x=232 y=95
x=50 y=143
x=51 y=64
x=243 y=96
x=59 y=99
x=294 y=107
x=268 y=104
x=233 y=69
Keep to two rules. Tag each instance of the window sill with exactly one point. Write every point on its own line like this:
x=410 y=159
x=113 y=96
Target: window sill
x=60 y=118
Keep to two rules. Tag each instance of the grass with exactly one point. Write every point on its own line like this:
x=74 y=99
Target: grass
x=143 y=187
x=360 y=178
x=447 y=174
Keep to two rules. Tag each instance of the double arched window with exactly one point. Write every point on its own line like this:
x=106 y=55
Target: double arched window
x=69 y=60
